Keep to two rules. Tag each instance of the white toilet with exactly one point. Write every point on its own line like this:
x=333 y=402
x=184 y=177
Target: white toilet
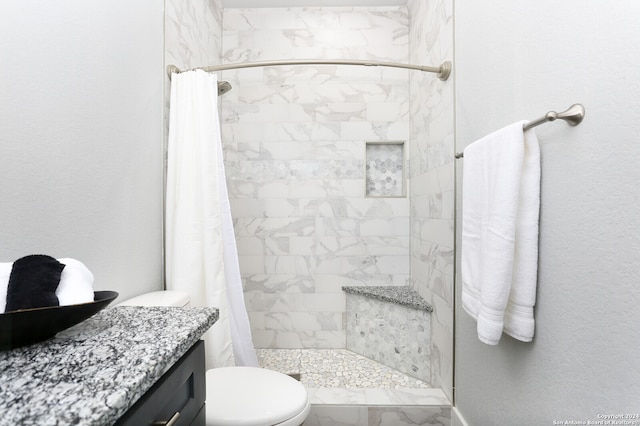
x=242 y=396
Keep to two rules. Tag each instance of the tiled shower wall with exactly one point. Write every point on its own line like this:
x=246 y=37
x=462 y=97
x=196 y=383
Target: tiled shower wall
x=432 y=178
x=294 y=140
x=192 y=38
x=193 y=32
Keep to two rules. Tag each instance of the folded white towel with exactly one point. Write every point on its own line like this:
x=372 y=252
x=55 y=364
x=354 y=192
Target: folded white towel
x=76 y=283
x=501 y=193
x=75 y=287
x=518 y=320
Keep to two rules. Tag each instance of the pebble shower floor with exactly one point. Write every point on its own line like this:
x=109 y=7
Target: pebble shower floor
x=336 y=368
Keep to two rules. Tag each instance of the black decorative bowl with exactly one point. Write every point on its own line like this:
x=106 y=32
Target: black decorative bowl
x=19 y=328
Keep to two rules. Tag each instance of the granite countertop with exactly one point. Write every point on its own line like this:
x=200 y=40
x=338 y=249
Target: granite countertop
x=401 y=295
x=92 y=373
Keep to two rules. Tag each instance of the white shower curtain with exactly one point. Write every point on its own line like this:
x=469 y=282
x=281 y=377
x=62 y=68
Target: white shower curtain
x=201 y=253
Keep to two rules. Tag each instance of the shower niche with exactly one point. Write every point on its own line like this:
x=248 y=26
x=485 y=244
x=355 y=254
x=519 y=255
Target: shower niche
x=385 y=169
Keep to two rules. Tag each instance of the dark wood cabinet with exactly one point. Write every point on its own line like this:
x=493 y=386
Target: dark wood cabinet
x=177 y=399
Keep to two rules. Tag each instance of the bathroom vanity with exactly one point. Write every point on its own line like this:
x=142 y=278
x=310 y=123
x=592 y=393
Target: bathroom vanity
x=120 y=366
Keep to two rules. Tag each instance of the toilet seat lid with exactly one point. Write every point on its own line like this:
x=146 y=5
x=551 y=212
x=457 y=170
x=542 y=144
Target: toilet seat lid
x=248 y=396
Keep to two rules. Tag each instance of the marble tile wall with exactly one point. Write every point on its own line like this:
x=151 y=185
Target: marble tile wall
x=432 y=178
x=192 y=38
x=193 y=32
x=294 y=141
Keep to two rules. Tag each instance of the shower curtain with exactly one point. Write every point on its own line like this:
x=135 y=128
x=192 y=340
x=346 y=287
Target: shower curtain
x=201 y=253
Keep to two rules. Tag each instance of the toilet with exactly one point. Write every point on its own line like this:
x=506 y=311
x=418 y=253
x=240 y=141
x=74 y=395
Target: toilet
x=242 y=396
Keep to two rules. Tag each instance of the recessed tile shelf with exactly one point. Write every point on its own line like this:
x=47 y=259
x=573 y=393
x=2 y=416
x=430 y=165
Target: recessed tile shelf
x=384 y=162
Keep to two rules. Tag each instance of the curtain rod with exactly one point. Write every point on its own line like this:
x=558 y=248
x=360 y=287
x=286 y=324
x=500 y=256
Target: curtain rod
x=443 y=70
x=572 y=116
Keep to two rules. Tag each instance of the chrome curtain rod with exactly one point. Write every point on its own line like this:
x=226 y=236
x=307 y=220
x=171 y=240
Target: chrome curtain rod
x=443 y=71
x=572 y=116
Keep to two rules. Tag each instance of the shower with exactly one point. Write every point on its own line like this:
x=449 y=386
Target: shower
x=223 y=87
x=295 y=141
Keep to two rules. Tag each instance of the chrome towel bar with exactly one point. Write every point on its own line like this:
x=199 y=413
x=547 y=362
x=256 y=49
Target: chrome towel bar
x=572 y=116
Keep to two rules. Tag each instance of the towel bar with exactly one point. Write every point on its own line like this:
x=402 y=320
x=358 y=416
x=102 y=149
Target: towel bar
x=572 y=116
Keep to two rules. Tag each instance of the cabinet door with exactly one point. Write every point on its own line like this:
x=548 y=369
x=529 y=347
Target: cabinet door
x=177 y=398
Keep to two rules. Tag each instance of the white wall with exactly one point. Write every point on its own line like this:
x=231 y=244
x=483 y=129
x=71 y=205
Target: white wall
x=81 y=136
x=517 y=60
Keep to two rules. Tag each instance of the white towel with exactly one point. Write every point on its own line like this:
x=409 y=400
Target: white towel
x=501 y=202
x=76 y=283
x=5 y=274
x=75 y=287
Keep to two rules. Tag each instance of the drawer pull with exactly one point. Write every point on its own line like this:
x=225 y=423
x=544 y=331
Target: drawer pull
x=172 y=421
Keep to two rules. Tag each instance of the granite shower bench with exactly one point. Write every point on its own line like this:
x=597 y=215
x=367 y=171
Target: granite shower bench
x=390 y=325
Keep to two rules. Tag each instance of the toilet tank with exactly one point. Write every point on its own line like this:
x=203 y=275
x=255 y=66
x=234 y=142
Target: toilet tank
x=158 y=298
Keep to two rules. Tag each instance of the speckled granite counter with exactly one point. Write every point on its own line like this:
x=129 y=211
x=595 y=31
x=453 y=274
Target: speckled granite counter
x=401 y=295
x=91 y=374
